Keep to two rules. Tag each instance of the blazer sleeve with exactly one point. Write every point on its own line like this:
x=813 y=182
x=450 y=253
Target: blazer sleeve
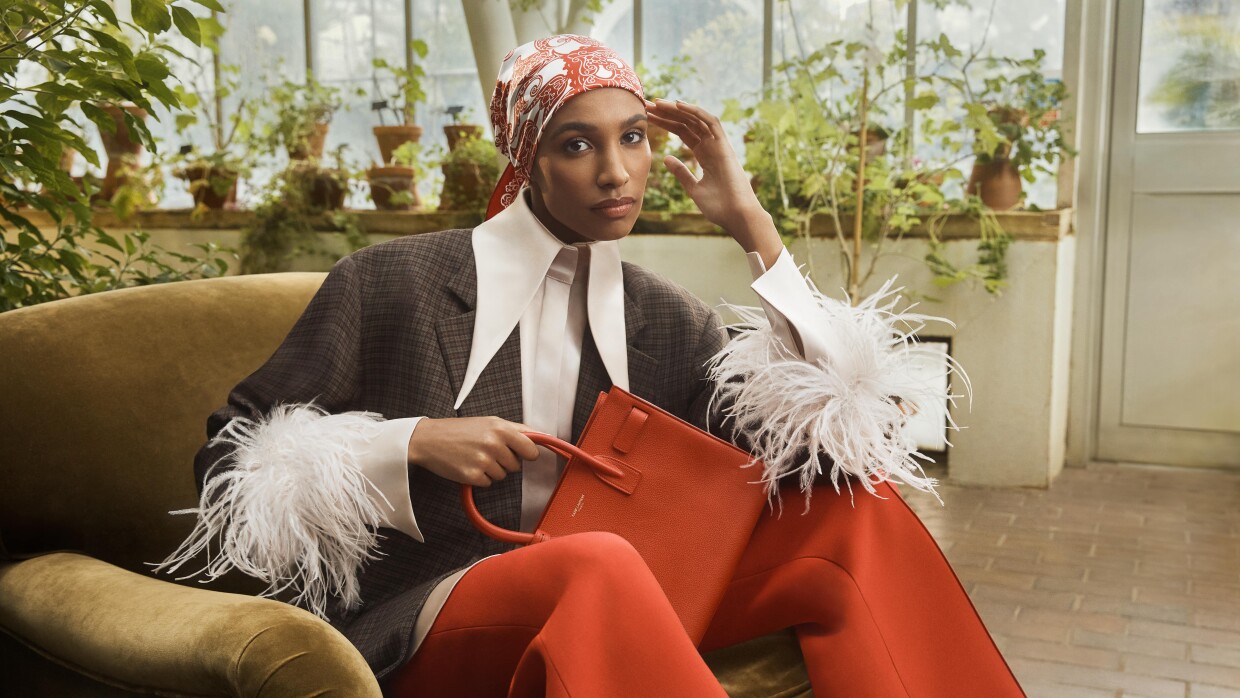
x=284 y=490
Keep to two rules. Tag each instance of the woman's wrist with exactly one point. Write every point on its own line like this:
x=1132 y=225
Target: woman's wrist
x=754 y=230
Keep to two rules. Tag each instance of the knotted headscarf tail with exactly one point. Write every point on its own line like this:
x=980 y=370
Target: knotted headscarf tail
x=535 y=80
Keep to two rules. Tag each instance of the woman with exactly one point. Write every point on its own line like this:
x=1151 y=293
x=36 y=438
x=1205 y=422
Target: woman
x=426 y=357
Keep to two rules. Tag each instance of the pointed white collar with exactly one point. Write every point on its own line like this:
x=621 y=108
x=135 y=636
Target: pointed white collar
x=513 y=251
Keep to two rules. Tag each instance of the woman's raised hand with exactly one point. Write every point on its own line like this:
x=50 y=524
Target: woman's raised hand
x=471 y=450
x=723 y=193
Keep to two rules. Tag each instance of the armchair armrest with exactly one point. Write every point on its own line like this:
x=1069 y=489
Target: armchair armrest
x=144 y=634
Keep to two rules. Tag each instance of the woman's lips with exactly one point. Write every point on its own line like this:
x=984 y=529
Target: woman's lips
x=614 y=208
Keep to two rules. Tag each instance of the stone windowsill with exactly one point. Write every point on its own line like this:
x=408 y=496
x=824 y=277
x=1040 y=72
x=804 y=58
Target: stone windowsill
x=1021 y=225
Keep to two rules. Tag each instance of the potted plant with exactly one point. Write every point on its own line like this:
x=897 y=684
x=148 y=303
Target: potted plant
x=1015 y=118
x=805 y=150
x=394 y=187
x=400 y=104
x=470 y=172
x=302 y=115
x=457 y=130
x=292 y=207
x=213 y=177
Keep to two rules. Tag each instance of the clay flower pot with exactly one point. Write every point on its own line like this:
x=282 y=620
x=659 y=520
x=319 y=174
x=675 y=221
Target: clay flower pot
x=386 y=182
x=455 y=133
x=463 y=188
x=119 y=144
x=312 y=148
x=213 y=187
x=997 y=183
x=392 y=137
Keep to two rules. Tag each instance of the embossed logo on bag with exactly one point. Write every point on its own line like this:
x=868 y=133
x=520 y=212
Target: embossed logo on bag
x=578 y=507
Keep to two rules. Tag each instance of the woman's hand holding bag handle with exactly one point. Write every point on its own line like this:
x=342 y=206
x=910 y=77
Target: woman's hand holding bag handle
x=564 y=448
x=684 y=499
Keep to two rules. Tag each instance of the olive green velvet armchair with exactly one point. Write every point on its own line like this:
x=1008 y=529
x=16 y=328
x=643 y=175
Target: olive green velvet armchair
x=103 y=403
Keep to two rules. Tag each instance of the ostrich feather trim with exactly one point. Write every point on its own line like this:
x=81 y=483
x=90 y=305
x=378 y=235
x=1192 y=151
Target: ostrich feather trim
x=289 y=505
x=850 y=405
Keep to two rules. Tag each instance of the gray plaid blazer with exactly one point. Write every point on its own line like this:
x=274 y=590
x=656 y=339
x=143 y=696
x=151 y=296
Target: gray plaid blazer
x=390 y=332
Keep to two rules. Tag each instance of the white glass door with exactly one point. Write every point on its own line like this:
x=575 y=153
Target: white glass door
x=1169 y=387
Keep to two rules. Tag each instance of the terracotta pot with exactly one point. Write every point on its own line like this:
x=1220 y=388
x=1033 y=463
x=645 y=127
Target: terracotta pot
x=875 y=142
x=205 y=183
x=392 y=137
x=313 y=147
x=387 y=181
x=121 y=141
x=455 y=133
x=464 y=188
x=322 y=186
x=117 y=145
x=997 y=182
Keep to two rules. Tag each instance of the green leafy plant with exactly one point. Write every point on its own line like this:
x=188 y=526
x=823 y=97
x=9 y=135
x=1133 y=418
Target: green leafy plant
x=1015 y=113
x=293 y=205
x=79 y=50
x=214 y=171
x=470 y=171
x=664 y=194
x=300 y=115
x=829 y=146
x=402 y=102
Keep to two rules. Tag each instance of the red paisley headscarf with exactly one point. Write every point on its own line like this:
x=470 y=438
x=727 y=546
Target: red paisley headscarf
x=535 y=80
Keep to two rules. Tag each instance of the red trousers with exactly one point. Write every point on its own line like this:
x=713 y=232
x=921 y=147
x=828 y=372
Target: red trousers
x=876 y=608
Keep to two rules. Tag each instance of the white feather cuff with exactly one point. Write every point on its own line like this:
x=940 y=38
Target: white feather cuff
x=792 y=411
x=293 y=508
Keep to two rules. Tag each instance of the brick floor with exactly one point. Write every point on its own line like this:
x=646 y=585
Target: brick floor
x=1118 y=581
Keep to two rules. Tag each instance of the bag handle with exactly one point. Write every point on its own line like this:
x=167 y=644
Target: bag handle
x=600 y=468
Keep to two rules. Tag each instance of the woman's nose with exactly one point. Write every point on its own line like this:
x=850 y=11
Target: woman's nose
x=612 y=172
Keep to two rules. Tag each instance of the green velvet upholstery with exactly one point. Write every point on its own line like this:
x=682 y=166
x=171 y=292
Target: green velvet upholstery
x=105 y=399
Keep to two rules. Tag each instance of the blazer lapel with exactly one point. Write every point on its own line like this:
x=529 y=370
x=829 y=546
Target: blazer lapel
x=498 y=389
x=593 y=378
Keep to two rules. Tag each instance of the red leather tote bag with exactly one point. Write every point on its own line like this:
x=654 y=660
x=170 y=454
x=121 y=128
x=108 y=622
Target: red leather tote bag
x=679 y=495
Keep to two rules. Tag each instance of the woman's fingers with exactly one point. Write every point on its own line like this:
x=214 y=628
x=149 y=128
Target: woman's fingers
x=681 y=171
x=685 y=132
x=701 y=122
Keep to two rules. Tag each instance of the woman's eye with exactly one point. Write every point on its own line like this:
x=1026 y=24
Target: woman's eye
x=635 y=136
x=576 y=145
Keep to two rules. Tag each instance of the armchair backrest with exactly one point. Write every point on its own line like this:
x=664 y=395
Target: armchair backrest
x=104 y=400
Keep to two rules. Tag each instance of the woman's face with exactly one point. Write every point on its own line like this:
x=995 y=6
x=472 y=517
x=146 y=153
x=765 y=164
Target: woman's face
x=589 y=174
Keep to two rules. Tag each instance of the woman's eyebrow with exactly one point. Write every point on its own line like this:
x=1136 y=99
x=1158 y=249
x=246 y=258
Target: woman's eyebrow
x=587 y=127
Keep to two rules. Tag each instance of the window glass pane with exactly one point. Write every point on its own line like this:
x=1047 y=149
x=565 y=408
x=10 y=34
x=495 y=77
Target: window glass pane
x=266 y=42
x=719 y=42
x=348 y=35
x=196 y=73
x=1190 y=66
x=451 y=74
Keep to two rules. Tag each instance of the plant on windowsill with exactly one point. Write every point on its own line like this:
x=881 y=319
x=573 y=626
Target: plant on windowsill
x=470 y=172
x=459 y=129
x=212 y=177
x=803 y=150
x=400 y=104
x=394 y=187
x=301 y=116
x=291 y=206
x=1014 y=115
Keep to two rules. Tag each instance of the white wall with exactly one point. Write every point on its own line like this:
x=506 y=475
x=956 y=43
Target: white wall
x=1015 y=347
